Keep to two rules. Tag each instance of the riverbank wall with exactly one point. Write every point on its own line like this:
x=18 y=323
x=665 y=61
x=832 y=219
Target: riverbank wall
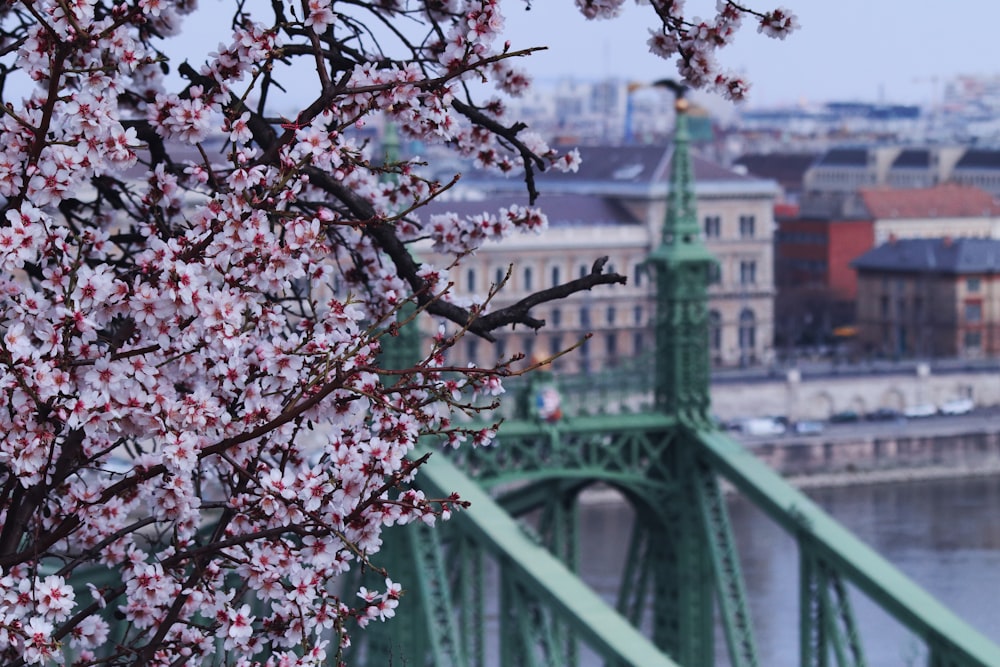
x=819 y=461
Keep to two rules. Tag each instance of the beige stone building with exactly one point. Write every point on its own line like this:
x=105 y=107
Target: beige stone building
x=614 y=207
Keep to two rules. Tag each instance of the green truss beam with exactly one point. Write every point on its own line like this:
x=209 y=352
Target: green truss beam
x=586 y=614
x=872 y=574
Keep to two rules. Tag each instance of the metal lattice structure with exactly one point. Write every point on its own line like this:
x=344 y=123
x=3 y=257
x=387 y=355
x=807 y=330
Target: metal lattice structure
x=498 y=583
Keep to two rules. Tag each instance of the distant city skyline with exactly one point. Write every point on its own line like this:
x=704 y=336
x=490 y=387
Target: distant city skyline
x=889 y=50
x=853 y=50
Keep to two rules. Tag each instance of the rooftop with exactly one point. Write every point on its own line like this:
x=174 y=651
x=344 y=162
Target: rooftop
x=844 y=157
x=910 y=158
x=979 y=158
x=941 y=201
x=562 y=210
x=941 y=255
x=640 y=171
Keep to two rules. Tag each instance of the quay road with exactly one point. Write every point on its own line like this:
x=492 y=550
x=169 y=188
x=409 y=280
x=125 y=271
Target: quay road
x=832 y=369
x=978 y=421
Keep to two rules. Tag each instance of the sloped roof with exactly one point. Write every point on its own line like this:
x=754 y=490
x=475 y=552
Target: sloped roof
x=786 y=168
x=910 y=158
x=979 y=158
x=636 y=164
x=562 y=210
x=942 y=256
x=844 y=157
x=941 y=201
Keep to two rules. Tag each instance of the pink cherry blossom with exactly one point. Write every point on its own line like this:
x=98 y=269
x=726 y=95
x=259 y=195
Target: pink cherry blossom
x=197 y=285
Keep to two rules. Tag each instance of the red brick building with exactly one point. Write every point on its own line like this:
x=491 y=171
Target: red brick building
x=816 y=286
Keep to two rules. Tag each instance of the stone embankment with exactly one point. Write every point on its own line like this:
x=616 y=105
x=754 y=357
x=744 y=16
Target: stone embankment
x=854 y=458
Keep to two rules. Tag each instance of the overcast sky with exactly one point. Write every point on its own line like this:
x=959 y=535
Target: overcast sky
x=847 y=49
x=859 y=50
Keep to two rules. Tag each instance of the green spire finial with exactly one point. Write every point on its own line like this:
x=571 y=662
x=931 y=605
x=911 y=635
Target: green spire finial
x=682 y=217
x=682 y=262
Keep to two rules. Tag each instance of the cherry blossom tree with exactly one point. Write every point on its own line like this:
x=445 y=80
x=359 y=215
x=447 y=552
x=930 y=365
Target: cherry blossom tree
x=199 y=435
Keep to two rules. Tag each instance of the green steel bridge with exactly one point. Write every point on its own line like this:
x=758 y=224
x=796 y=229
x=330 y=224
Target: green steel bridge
x=486 y=589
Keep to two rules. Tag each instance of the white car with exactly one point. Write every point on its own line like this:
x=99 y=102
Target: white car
x=922 y=410
x=959 y=406
x=762 y=426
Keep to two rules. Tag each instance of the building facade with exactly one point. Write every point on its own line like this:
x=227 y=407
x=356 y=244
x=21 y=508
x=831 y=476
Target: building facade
x=930 y=298
x=615 y=207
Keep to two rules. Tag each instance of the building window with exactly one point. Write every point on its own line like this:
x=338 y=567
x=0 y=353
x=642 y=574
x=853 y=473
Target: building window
x=499 y=276
x=973 y=340
x=555 y=345
x=611 y=314
x=638 y=343
x=883 y=307
x=637 y=315
x=556 y=317
x=714 y=273
x=555 y=276
x=584 y=316
x=748 y=330
x=529 y=347
x=748 y=272
x=714 y=330
x=470 y=280
x=584 y=270
x=747 y=224
x=638 y=275
x=972 y=284
x=611 y=346
x=974 y=312
x=501 y=348
x=528 y=279
x=713 y=226
x=471 y=348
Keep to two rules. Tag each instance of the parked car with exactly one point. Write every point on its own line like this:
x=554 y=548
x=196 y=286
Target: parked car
x=884 y=415
x=808 y=427
x=959 y=406
x=920 y=410
x=763 y=426
x=844 y=417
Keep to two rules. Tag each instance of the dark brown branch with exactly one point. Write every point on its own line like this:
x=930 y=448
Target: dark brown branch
x=509 y=134
x=519 y=313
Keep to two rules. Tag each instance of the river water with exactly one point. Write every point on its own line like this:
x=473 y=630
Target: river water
x=943 y=534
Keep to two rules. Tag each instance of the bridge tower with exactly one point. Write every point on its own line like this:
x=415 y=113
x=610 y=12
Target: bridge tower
x=499 y=583
x=687 y=577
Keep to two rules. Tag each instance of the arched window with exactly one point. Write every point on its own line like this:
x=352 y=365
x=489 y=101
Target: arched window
x=528 y=279
x=470 y=280
x=714 y=330
x=748 y=330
